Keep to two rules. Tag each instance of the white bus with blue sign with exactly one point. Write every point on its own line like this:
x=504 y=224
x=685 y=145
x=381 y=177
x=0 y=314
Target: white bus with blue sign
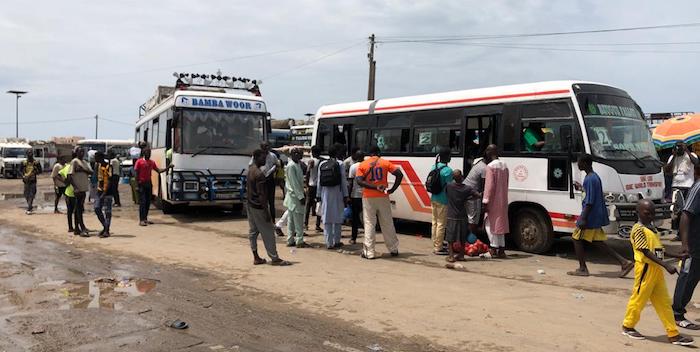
x=207 y=127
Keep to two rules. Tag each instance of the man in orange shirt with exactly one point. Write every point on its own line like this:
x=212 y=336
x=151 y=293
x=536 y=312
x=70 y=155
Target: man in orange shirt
x=372 y=176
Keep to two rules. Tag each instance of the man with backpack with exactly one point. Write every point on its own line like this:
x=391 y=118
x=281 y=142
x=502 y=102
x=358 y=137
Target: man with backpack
x=372 y=176
x=332 y=192
x=440 y=175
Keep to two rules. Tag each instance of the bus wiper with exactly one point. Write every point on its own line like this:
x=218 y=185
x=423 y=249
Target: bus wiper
x=637 y=161
x=205 y=148
x=653 y=160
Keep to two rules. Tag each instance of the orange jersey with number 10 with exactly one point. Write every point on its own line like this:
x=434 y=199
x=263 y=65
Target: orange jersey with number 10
x=378 y=175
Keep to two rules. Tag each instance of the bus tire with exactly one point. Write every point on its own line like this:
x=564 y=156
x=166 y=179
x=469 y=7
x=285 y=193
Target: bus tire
x=532 y=231
x=238 y=208
x=165 y=206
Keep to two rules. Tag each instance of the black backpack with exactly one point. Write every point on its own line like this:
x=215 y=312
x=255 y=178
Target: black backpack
x=329 y=173
x=434 y=182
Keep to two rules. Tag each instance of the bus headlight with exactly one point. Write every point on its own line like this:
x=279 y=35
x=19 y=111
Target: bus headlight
x=633 y=198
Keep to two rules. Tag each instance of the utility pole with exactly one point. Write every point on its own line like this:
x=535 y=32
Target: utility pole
x=372 y=68
x=18 y=94
x=96 y=117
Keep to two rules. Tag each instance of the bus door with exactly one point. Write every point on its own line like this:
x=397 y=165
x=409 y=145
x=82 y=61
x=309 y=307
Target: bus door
x=479 y=133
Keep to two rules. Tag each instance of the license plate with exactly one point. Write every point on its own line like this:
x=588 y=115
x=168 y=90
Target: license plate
x=225 y=196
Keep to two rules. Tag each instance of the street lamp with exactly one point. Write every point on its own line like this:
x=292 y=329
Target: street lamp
x=17 y=93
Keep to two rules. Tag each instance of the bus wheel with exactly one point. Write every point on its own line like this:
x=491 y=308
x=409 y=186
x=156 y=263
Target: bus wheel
x=532 y=232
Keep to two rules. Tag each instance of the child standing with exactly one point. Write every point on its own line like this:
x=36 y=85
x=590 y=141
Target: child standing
x=457 y=226
x=649 y=282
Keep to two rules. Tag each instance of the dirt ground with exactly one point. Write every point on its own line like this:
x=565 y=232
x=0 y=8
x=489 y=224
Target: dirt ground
x=409 y=303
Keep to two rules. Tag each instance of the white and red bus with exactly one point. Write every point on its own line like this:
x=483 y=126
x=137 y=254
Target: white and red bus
x=540 y=129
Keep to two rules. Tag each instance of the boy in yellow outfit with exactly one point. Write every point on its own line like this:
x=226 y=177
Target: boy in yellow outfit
x=649 y=282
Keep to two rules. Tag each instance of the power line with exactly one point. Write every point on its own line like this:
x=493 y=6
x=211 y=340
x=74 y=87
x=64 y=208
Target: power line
x=48 y=121
x=118 y=122
x=576 y=44
x=308 y=63
x=411 y=39
x=544 y=48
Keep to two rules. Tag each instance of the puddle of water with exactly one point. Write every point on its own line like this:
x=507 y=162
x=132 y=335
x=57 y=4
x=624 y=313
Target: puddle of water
x=46 y=196
x=104 y=293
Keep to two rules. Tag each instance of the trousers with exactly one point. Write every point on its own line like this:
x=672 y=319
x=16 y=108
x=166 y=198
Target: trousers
x=331 y=234
x=685 y=286
x=260 y=223
x=295 y=225
x=356 y=204
x=79 y=211
x=311 y=206
x=438 y=228
x=374 y=209
x=650 y=285
x=103 y=210
x=145 y=192
x=70 y=213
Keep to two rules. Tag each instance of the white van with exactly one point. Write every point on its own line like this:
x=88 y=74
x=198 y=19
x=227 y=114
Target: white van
x=12 y=154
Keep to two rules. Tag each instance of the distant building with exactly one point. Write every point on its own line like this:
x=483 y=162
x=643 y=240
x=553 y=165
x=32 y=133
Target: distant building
x=72 y=140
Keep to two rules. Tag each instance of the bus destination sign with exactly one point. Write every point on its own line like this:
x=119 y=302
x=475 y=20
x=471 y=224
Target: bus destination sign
x=219 y=103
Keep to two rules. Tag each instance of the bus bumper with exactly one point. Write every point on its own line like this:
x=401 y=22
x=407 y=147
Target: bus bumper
x=625 y=215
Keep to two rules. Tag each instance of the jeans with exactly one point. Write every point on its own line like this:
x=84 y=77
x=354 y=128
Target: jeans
x=29 y=194
x=79 y=210
x=356 y=216
x=70 y=213
x=685 y=286
x=106 y=216
x=145 y=192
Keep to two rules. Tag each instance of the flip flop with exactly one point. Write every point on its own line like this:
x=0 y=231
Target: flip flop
x=178 y=324
x=577 y=273
x=280 y=263
x=262 y=261
x=627 y=270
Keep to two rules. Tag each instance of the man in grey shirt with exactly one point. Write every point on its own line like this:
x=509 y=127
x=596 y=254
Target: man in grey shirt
x=476 y=179
x=271 y=162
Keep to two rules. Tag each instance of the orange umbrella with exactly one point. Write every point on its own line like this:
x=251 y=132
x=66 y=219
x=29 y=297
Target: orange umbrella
x=684 y=128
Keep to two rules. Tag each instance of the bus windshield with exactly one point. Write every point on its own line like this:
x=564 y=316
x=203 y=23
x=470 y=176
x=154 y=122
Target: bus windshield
x=14 y=152
x=221 y=132
x=616 y=128
x=100 y=147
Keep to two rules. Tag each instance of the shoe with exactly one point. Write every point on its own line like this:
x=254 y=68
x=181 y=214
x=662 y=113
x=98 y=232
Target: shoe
x=681 y=340
x=395 y=254
x=279 y=232
x=633 y=334
x=150 y=222
x=29 y=212
x=291 y=245
x=319 y=229
x=363 y=256
x=56 y=211
x=143 y=223
x=101 y=233
x=70 y=230
x=104 y=234
x=76 y=233
x=84 y=234
x=303 y=245
x=338 y=245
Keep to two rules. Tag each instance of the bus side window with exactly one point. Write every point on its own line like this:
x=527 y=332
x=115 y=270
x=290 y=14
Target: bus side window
x=362 y=139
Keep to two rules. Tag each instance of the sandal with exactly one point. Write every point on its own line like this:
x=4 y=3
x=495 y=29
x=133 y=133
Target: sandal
x=626 y=270
x=259 y=262
x=450 y=259
x=687 y=324
x=578 y=272
x=280 y=262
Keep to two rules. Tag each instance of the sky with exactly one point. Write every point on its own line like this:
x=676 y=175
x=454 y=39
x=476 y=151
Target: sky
x=79 y=59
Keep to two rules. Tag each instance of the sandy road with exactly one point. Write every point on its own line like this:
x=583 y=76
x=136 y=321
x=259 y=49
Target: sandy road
x=496 y=305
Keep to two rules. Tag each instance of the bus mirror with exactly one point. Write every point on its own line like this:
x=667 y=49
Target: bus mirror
x=565 y=135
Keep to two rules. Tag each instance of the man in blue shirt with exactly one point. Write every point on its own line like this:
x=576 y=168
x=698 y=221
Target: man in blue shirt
x=438 y=201
x=589 y=226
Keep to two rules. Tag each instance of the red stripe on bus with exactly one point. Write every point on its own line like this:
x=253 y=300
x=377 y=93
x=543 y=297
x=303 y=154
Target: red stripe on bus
x=568 y=217
x=495 y=97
